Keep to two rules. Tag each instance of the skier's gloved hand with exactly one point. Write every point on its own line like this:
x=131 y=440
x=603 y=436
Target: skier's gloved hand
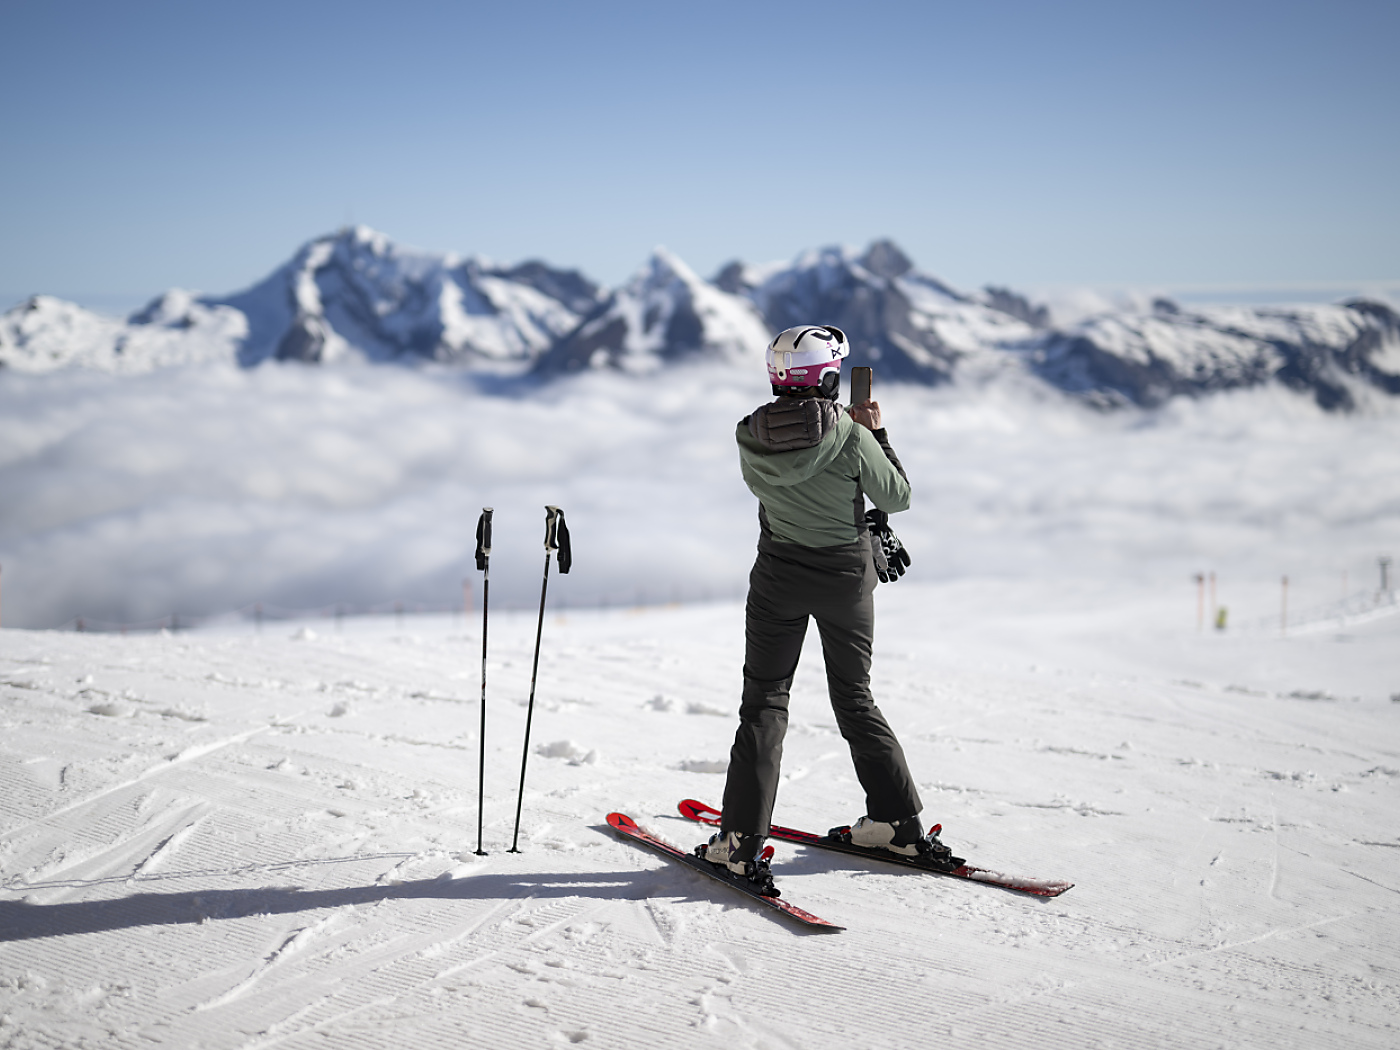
x=877 y=555
x=891 y=559
x=895 y=555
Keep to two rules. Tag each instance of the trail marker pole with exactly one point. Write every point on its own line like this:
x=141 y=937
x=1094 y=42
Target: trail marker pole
x=1200 y=602
x=483 y=562
x=1283 y=609
x=556 y=538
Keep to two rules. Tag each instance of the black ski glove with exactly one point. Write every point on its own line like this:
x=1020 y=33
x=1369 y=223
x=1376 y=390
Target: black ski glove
x=891 y=559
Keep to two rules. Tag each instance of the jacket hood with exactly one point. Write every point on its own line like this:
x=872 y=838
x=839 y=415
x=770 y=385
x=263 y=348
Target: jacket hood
x=792 y=439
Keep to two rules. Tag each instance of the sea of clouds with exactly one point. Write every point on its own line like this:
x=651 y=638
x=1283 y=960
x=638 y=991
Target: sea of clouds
x=200 y=491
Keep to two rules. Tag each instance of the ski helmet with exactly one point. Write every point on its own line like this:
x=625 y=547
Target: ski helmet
x=807 y=356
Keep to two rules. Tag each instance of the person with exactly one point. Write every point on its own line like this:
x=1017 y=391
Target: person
x=811 y=465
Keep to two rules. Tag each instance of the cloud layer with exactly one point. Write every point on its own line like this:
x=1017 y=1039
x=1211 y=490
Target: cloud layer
x=203 y=490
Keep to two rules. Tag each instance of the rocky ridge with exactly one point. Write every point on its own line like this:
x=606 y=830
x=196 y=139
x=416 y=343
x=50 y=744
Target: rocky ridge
x=357 y=295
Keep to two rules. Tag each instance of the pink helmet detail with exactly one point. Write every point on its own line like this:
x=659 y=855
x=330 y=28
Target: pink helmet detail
x=802 y=356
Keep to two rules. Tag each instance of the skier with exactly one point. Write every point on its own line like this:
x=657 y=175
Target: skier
x=810 y=464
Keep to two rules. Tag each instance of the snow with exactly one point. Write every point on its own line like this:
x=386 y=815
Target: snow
x=241 y=838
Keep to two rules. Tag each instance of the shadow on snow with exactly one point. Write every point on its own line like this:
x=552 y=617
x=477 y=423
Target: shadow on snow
x=21 y=921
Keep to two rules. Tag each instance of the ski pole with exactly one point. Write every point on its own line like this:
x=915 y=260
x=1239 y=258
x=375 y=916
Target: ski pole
x=483 y=562
x=556 y=538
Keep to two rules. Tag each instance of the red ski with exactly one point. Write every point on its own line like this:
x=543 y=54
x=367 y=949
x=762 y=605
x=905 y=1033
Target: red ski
x=628 y=828
x=698 y=811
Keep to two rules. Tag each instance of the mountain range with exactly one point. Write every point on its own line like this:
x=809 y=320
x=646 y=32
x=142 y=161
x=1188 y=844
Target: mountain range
x=355 y=294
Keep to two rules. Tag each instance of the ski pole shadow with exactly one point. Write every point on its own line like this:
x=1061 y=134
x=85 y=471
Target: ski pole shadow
x=263 y=868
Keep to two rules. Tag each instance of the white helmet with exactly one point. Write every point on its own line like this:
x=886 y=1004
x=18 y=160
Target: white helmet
x=806 y=356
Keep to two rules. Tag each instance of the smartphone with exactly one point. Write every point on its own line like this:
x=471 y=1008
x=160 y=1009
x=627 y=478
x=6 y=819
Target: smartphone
x=861 y=381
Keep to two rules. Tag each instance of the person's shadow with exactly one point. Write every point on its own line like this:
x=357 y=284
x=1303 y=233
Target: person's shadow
x=21 y=921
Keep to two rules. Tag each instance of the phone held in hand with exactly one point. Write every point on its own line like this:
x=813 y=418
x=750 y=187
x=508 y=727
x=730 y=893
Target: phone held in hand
x=861 y=381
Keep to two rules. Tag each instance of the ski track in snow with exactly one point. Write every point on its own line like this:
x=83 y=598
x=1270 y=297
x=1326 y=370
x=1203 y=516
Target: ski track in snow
x=267 y=842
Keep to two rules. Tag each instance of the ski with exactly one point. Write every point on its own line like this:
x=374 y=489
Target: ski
x=703 y=814
x=628 y=828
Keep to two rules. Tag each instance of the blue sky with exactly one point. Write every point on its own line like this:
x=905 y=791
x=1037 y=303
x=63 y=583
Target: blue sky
x=1246 y=145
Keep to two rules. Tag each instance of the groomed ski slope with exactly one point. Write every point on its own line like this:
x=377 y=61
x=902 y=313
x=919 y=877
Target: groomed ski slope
x=226 y=839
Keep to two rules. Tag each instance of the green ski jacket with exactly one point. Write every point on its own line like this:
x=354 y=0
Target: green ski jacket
x=813 y=495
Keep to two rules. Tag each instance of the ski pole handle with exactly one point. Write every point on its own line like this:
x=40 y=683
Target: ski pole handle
x=483 y=538
x=556 y=537
x=552 y=517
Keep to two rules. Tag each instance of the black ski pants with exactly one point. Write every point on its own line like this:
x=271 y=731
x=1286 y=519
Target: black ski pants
x=836 y=587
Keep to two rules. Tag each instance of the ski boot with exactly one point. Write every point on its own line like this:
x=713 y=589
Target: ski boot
x=744 y=856
x=904 y=837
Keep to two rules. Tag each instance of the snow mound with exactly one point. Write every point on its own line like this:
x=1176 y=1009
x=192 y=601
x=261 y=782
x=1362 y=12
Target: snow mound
x=568 y=750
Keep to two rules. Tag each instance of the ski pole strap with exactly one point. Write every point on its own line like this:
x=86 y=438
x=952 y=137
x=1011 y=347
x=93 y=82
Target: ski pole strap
x=483 y=538
x=556 y=537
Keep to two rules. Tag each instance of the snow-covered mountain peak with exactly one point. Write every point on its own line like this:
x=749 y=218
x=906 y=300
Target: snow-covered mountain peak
x=910 y=325
x=666 y=312
x=175 y=307
x=44 y=334
x=884 y=259
x=1341 y=354
x=354 y=294
x=828 y=266
x=664 y=265
x=662 y=274
x=357 y=294
x=740 y=278
x=371 y=239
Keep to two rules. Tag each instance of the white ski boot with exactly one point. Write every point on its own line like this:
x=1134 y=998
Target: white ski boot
x=741 y=855
x=904 y=837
